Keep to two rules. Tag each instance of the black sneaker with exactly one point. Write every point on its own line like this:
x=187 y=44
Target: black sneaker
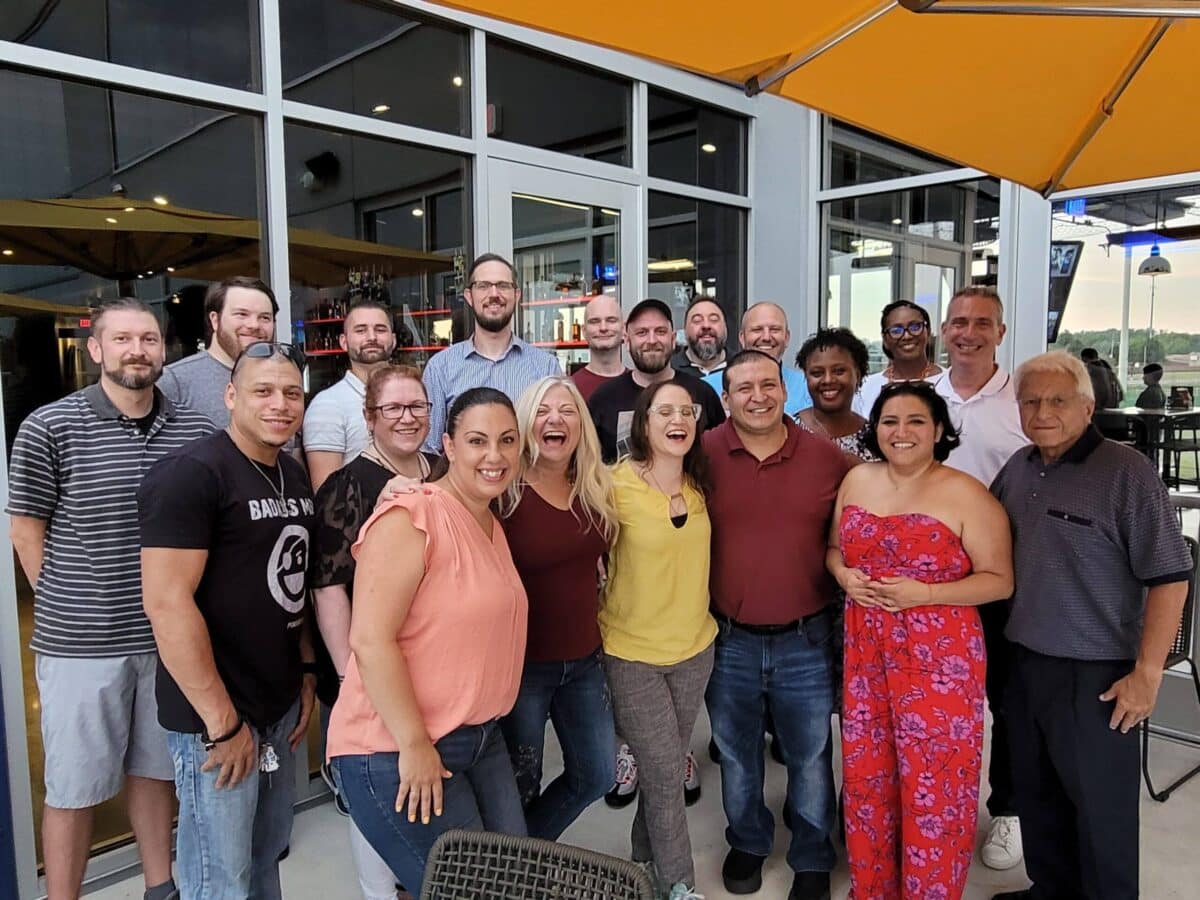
x=625 y=788
x=339 y=803
x=742 y=872
x=1026 y=894
x=810 y=886
x=691 y=780
x=776 y=752
x=714 y=752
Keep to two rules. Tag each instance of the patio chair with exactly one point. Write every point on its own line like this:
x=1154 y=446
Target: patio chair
x=1183 y=440
x=1181 y=652
x=481 y=865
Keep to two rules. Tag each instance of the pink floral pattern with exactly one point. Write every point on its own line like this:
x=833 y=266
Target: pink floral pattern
x=912 y=732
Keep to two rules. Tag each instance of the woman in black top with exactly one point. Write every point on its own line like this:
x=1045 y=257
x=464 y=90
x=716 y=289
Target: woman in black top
x=397 y=412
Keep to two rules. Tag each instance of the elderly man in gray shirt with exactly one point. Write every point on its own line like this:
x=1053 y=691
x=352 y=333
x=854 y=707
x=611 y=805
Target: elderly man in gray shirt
x=1101 y=577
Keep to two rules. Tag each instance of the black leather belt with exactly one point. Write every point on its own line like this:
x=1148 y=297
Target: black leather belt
x=768 y=630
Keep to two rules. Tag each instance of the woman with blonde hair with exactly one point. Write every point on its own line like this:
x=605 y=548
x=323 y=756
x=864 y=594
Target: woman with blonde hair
x=559 y=518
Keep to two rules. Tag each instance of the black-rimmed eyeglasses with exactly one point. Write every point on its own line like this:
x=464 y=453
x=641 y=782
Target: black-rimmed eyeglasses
x=897 y=331
x=418 y=410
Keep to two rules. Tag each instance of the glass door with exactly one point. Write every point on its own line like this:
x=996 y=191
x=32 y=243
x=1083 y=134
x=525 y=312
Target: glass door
x=570 y=238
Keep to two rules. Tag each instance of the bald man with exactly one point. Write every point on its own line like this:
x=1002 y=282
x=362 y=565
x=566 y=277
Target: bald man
x=765 y=328
x=603 y=329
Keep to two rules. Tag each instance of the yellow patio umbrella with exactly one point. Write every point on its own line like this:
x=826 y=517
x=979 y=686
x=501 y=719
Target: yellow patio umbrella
x=120 y=239
x=1067 y=94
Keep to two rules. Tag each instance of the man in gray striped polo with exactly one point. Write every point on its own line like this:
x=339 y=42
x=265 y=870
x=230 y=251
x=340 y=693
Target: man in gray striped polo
x=73 y=480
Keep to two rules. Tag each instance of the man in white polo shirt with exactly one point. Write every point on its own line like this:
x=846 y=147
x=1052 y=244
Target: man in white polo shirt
x=983 y=405
x=335 y=430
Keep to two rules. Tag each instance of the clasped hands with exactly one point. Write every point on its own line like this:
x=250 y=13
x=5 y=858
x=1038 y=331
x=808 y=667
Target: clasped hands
x=889 y=593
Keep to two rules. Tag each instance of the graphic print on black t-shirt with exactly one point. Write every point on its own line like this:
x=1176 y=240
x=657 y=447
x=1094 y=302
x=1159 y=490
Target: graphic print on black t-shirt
x=611 y=407
x=211 y=497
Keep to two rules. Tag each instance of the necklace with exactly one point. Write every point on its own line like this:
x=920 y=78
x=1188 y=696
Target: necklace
x=890 y=372
x=278 y=490
x=647 y=472
x=377 y=456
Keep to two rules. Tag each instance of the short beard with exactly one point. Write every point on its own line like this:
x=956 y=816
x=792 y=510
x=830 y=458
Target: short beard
x=705 y=352
x=229 y=343
x=642 y=364
x=495 y=326
x=133 y=382
x=381 y=354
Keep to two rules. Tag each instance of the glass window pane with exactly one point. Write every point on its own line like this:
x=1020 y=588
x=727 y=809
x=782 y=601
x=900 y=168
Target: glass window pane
x=545 y=101
x=214 y=41
x=696 y=144
x=697 y=249
x=405 y=212
x=1097 y=247
x=859 y=157
x=103 y=194
x=376 y=59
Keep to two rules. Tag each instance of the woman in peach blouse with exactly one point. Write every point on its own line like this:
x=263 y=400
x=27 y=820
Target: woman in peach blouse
x=437 y=643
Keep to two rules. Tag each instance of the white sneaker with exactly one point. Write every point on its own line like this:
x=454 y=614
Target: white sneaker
x=625 y=788
x=680 y=891
x=1002 y=849
x=691 y=780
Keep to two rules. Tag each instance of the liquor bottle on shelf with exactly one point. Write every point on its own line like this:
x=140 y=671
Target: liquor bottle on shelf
x=576 y=332
x=558 y=330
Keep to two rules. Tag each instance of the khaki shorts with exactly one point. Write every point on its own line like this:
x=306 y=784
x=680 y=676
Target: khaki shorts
x=99 y=724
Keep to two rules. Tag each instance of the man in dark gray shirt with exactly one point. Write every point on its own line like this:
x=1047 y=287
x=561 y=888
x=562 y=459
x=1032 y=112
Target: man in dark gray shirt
x=1101 y=576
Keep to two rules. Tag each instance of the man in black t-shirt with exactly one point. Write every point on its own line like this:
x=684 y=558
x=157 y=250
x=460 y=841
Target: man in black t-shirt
x=226 y=525
x=650 y=336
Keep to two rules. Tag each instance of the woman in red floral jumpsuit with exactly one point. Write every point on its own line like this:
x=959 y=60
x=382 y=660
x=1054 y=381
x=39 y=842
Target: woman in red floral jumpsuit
x=916 y=546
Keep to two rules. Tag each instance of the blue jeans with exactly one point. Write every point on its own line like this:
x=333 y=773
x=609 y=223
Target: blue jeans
x=789 y=675
x=574 y=696
x=480 y=796
x=229 y=840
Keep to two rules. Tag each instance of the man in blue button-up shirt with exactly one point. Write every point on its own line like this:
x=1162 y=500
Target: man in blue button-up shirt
x=493 y=356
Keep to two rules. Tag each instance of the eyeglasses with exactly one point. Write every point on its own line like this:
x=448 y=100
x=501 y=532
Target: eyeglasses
x=418 y=410
x=267 y=349
x=485 y=287
x=668 y=411
x=897 y=331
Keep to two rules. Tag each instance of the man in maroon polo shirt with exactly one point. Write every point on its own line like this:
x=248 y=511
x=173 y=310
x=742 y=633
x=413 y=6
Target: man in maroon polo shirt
x=773 y=496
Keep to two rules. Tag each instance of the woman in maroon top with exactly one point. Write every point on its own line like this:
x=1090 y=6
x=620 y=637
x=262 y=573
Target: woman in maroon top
x=559 y=520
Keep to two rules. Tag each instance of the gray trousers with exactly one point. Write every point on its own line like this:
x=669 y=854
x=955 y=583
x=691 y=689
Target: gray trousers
x=655 y=708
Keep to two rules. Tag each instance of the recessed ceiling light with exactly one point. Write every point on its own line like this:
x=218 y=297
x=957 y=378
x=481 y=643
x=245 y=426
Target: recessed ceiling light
x=709 y=148
x=160 y=200
x=380 y=109
x=110 y=220
x=170 y=268
x=418 y=212
x=6 y=252
x=149 y=271
x=456 y=81
x=129 y=209
x=141 y=276
x=897 y=221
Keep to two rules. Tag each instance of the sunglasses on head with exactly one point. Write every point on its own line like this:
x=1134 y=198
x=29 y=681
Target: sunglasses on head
x=267 y=349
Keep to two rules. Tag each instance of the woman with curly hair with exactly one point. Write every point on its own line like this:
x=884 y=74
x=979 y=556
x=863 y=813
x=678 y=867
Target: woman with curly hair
x=835 y=362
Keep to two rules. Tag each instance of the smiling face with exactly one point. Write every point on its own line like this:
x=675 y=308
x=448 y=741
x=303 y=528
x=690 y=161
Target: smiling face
x=556 y=426
x=973 y=330
x=670 y=429
x=246 y=318
x=906 y=431
x=266 y=401
x=403 y=436
x=602 y=323
x=832 y=379
x=908 y=347
x=1054 y=415
x=483 y=451
x=756 y=396
x=368 y=337
x=129 y=347
x=764 y=327
x=705 y=330
x=494 y=305
x=651 y=340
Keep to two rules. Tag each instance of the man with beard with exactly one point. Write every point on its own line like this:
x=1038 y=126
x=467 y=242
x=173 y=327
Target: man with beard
x=226 y=526
x=493 y=356
x=705 y=331
x=238 y=312
x=765 y=329
x=73 y=480
x=335 y=430
x=650 y=336
x=602 y=330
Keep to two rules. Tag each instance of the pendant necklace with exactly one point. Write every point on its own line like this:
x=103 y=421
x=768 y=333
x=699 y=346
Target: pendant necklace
x=278 y=490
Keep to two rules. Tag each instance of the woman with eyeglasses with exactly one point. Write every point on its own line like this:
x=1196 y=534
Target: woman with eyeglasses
x=437 y=641
x=908 y=346
x=834 y=361
x=560 y=519
x=916 y=546
x=397 y=416
x=657 y=631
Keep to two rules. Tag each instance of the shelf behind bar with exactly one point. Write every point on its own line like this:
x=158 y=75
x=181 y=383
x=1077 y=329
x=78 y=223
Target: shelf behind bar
x=430 y=312
x=324 y=321
x=323 y=352
x=561 y=302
